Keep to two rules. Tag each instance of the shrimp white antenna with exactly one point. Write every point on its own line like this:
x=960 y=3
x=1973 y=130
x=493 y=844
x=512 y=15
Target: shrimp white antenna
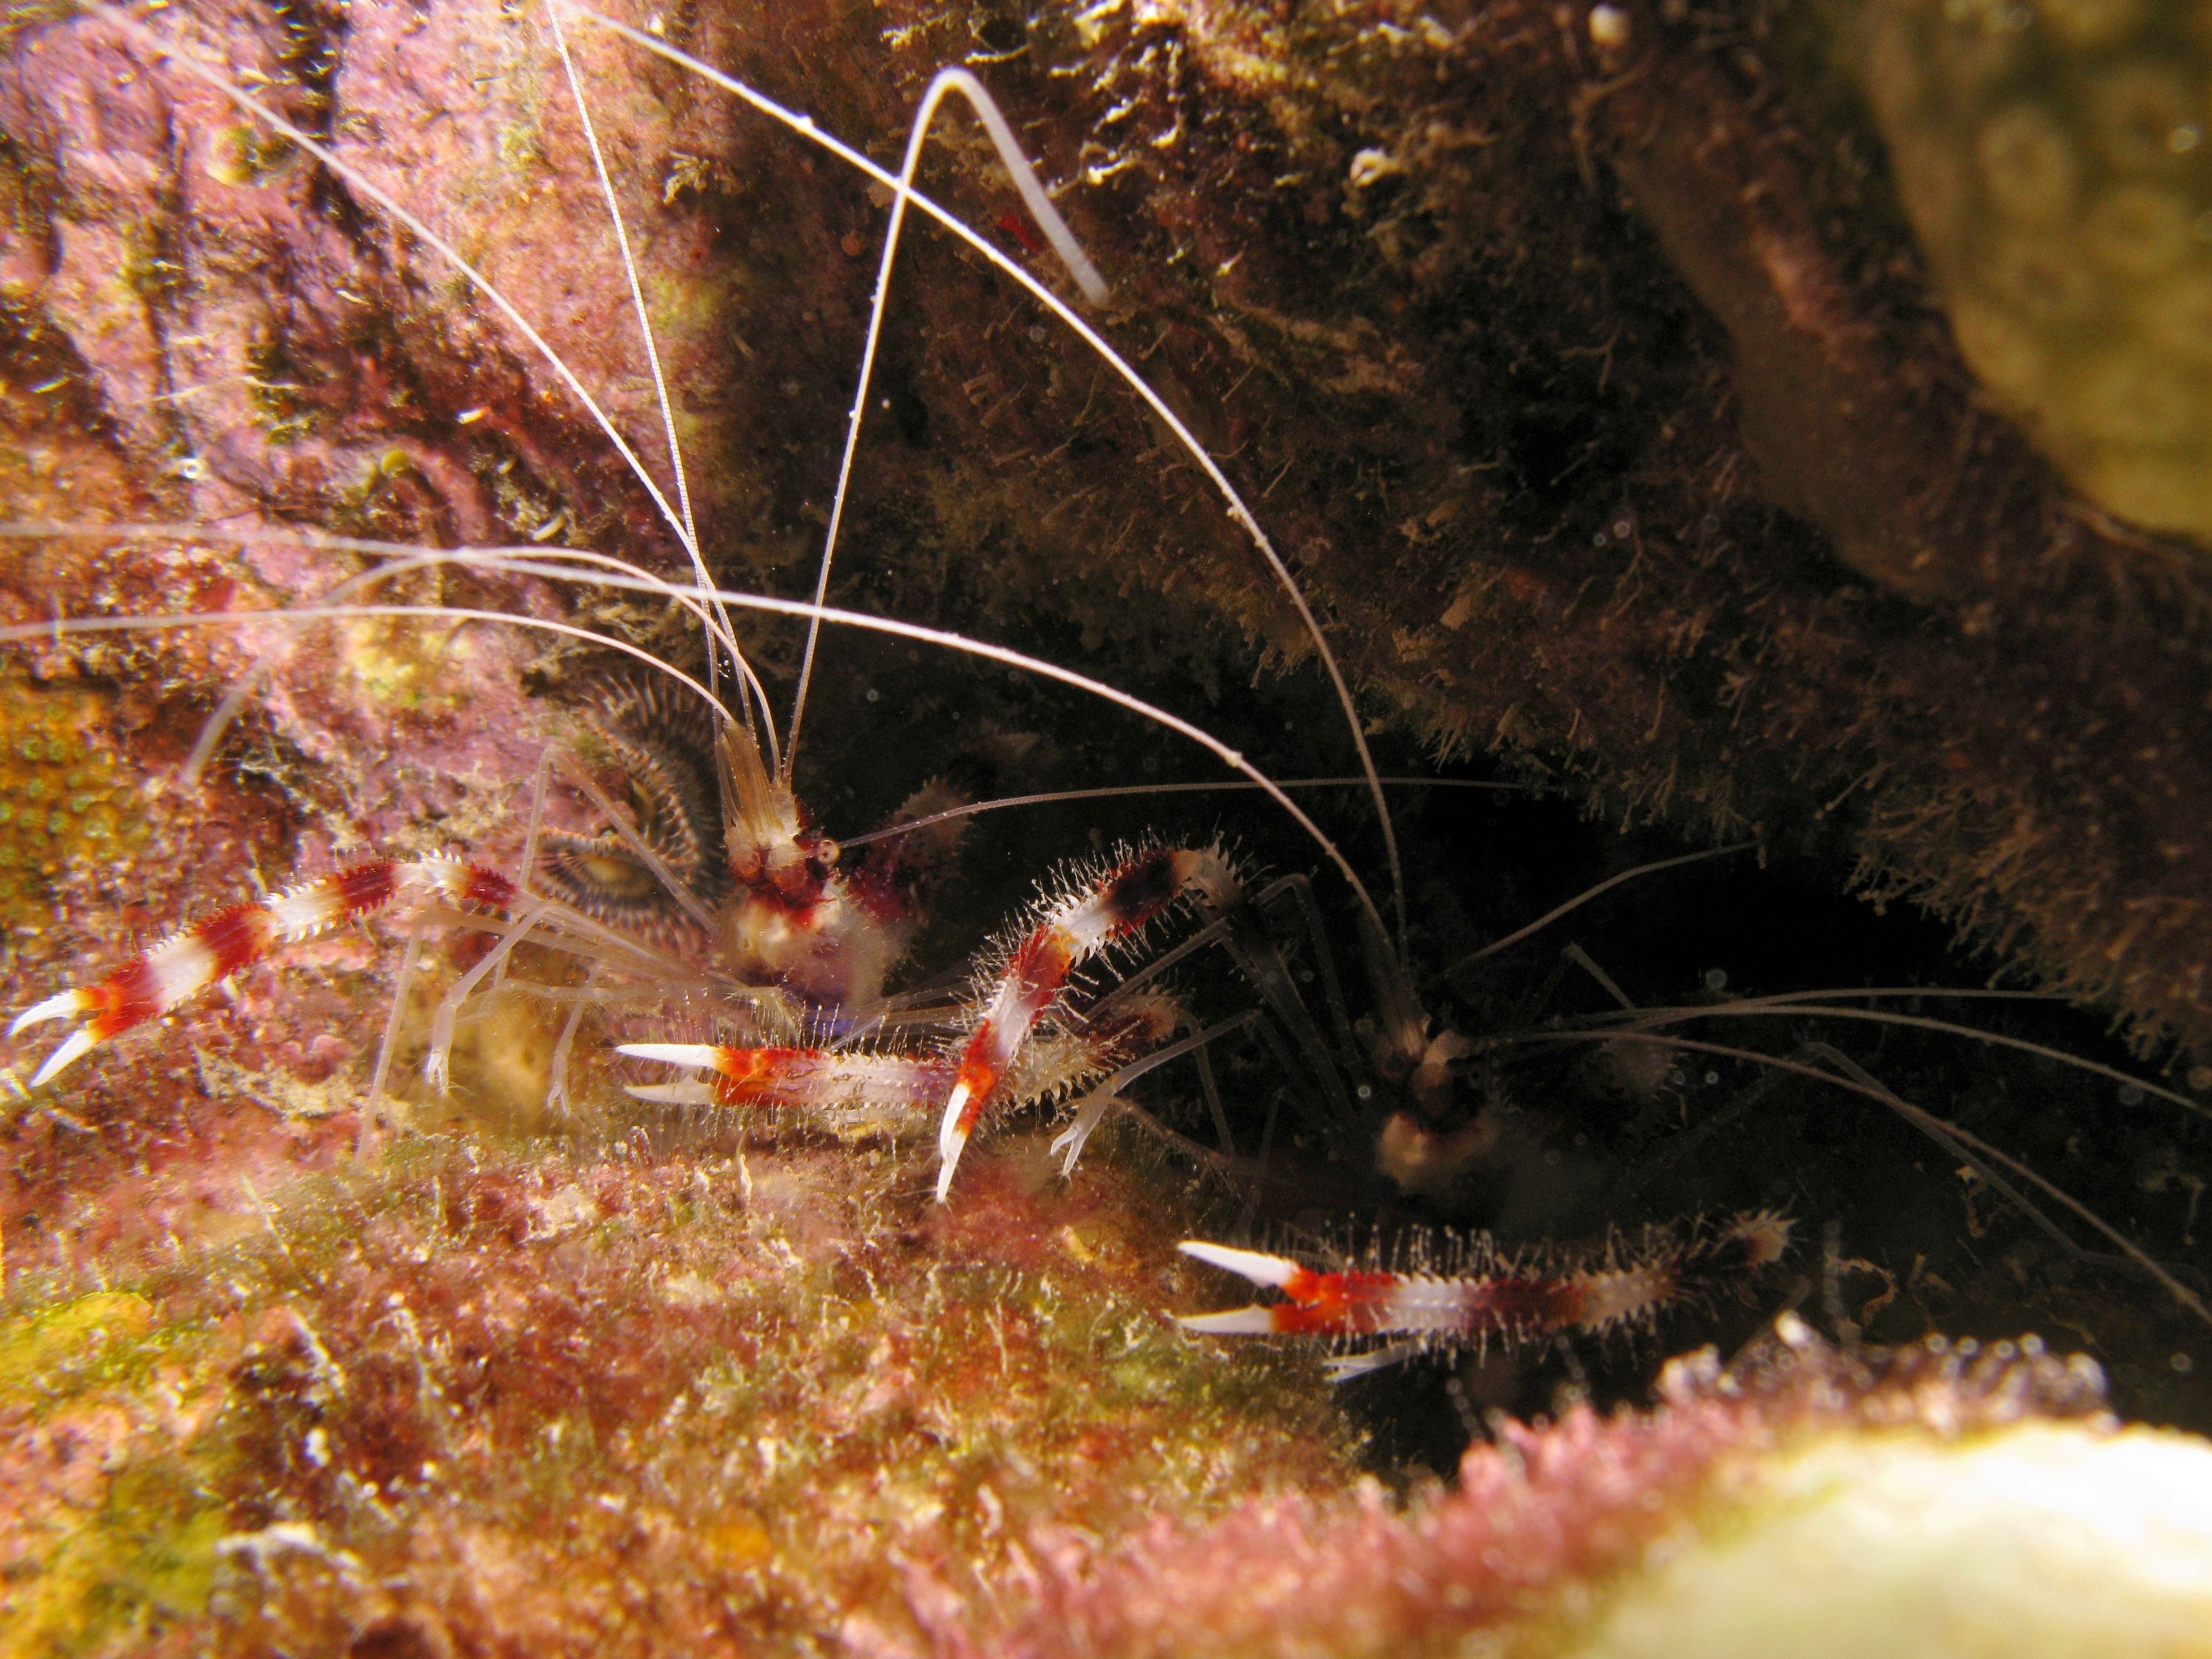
x=399 y=557
x=805 y=128
x=645 y=328
x=981 y=649
x=1055 y=229
x=63 y=626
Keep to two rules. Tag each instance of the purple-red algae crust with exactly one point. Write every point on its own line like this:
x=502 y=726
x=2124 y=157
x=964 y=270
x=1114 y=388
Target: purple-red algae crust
x=461 y=1400
x=1543 y=1521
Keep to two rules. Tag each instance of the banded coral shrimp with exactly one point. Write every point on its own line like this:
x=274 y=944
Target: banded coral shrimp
x=183 y=969
x=516 y=499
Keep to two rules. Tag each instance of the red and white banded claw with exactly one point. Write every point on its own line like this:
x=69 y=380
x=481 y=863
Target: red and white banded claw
x=1505 y=1301
x=1074 y=928
x=186 y=962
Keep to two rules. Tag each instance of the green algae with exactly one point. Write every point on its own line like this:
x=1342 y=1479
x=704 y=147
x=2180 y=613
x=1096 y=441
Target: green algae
x=146 y=1558
x=57 y=1352
x=100 y=1559
x=66 y=799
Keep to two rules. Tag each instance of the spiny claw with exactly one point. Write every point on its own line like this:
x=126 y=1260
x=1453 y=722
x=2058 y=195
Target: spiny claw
x=67 y=1005
x=80 y=1043
x=1274 y=1270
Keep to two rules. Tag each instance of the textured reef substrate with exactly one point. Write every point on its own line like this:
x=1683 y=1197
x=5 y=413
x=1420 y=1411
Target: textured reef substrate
x=456 y=1402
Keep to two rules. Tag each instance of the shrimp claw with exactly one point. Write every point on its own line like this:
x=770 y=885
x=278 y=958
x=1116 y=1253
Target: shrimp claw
x=181 y=966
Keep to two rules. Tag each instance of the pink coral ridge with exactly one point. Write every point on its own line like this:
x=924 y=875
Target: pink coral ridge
x=1541 y=1519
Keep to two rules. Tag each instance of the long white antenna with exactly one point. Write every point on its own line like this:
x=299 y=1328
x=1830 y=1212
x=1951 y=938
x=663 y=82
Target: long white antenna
x=1055 y=228
x=473 y=558
x=399 y=557
x=644 y=328
x=804 y=127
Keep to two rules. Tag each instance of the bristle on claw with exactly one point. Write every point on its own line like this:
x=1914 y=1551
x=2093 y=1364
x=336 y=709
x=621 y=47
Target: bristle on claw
x=1505 y=1302
x=1069 y=930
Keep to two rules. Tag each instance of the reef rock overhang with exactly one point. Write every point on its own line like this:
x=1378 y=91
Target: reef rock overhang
x=1607 y=415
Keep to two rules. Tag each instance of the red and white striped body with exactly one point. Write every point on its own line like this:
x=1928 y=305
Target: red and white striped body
x=1425 y=1310
x=795 y=917
x=209 y=952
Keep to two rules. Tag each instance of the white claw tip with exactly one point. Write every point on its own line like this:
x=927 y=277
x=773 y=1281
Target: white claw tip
x=65 y=1006
x=671 y=1094
x=1273 y=1270
x=672 y=1054
x=1067 y=1147
x=951 y=1141
x=1236 y=1321
x=63 y=1057
x=1345 y=1367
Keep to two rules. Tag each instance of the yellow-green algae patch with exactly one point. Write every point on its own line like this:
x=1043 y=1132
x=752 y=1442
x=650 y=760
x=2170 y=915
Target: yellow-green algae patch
x=64 y=797
x=45 y=1352
x=112 y=1512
